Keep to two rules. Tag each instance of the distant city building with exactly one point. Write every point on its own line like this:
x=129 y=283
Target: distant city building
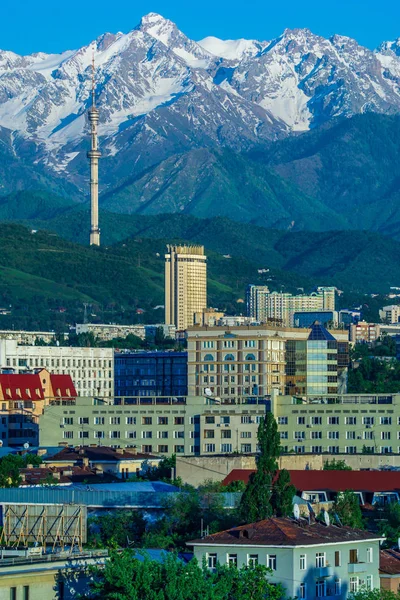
x=365 y=332
x=390 y=314
x=279 y=307
x=150 y=373
x=185 y=285
x=107 y=332
x=27 y=337
x=208 y=316
x=349 y=317
x=91 y=369
x=245 y=361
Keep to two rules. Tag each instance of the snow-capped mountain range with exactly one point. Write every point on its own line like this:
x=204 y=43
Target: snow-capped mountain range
x=161 y=93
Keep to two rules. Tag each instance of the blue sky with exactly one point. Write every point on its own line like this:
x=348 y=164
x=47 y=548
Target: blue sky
x=54 y=25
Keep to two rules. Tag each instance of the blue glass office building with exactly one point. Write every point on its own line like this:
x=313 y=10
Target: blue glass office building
x=150 y=374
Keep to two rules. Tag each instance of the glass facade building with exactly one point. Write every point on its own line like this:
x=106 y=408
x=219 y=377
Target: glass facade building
x=150 y=374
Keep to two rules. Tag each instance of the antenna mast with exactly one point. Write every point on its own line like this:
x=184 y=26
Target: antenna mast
x=93 y=155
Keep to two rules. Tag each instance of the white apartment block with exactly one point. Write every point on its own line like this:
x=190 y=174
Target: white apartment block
x=390 y=314
x=91 y=369
x=280 y=307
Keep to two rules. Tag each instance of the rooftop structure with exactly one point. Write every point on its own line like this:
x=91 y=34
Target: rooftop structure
x=389 y=569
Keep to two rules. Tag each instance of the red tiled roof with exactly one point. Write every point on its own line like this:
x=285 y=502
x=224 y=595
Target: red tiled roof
x=63 y=383
x=335 y=481
x=389 y=562
x=28 y=386
x=283 y=531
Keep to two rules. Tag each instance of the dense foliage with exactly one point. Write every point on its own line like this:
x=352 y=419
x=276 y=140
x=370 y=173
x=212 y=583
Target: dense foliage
x=127 y=578
x=336 y=465
x=347 y=508
x=389 y=523
x=267 y=492
x=10 y=465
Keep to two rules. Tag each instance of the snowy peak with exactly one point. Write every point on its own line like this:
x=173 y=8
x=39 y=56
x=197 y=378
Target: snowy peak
x=158 y=27
x=233 y=50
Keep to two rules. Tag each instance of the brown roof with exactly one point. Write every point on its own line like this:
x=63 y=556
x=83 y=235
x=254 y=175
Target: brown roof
x=97 y=453
x=284 y=531
x=335 y=481
x=389 y=562
x=63 y=475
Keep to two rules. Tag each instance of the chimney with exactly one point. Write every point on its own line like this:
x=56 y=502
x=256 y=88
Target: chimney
x=43 y=451
x=133 y=451
x=63 y=444
x=56 y=475
x=29 y=466
x=85 y=461
x=23 y=476
x=119 y=450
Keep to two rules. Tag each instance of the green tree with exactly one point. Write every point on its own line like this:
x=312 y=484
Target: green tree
x=10 y=466
x=118 y=529
x=267 y=493
x=336 y=465
x=347 y=508
x=390 y=523
x=377 y=594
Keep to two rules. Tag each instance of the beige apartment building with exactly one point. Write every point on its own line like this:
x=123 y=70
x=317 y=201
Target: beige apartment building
x=236 y=362
x=280 y=307
x=339 y=424
x=91 y=369
x=364 y=332
x=185 y=285
x=158 y=425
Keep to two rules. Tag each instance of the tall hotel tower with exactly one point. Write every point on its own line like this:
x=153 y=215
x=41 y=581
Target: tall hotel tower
x=93 y=156
x=185 y=284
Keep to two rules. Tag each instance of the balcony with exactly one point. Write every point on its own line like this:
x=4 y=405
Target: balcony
x=357 y=568
x=326 y=571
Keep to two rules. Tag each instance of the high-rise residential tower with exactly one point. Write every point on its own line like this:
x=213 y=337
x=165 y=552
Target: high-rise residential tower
x=185 y=284
x=93 y=156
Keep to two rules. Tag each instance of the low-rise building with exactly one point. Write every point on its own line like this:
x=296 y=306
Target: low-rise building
x=154 y=373
x=91 y=369
x=186 y=426
x=389 y=570
x=118 y=462
x=364 y=332
x=311 y=561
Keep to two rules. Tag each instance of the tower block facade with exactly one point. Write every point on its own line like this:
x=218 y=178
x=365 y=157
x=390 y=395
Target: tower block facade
x=93 y=155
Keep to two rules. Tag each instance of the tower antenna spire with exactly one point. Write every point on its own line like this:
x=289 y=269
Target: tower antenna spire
x=93 y=155
x=93 y=79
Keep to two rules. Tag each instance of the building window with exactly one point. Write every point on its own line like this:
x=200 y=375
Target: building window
x=68 y=420
x=353 y=584
x=147 y=449
x=226 y=433
x=163 y=420
x=386 y=420
x=316 y=435
x=282 y=420
x=316 y=420
x=337 y=558
x=368 y=420
x=353 y=556
x=130 y=421
x=320 y=560
x=320 y=588
x=179 y=420
x=13 y=593
x=162 y=448
x=303 y=562
x=68 y=435
x=303 y=591
x=299 y=435
x=209 y=433
x=210 y=420
x=245 y=448
x=282 y=434
x=385 y=435
x=25 y=592
x=115 y=434
x=369 y=583
x=226 y=448
x=301 y=420
x=245 y=420
x=83 y=420
x=179 y=449
x=333 y=420
x=115 y=420
x=252 y=560
x=209 y=447
x=98 y=420
x=350 y=420
x=83 y=434
x=350 y=449
x=147 y=434
x=350 y=435
x=232 y=560
x=338 y=587
x=211 y=561
x=147 y=420
x=131 y=435
x=369 y=555
x=271 y=561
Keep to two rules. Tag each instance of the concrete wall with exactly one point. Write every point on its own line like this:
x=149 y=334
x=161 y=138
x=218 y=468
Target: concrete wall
x=196 y=469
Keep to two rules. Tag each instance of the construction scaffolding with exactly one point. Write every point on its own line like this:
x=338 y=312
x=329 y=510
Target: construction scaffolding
x=41 y=525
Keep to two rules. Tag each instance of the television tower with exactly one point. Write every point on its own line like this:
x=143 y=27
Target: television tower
x=93 y=155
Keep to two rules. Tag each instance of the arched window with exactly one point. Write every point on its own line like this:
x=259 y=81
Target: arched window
x=250 y=357
x=229 y=357
x=208 y=357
